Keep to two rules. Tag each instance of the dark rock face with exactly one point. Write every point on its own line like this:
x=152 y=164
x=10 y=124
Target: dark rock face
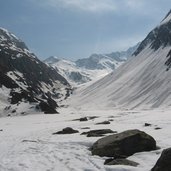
x=47 y=108
x=121 y=162
x=26 y=76
x=125 y=144
x=159 y=37
x=164 y=162
x=67 y=130
x=98 y=132
x=168 y=62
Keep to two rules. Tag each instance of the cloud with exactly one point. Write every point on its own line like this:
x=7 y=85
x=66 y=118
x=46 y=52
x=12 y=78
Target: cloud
x=135 y=4
x=84 y=5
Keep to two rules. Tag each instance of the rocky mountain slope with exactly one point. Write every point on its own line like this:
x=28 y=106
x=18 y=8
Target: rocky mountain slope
x=26 y=83
x=90 y=69
x=142 y=82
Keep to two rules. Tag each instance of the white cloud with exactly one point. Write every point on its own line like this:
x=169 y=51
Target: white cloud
x=85 y=5
x=135 y=4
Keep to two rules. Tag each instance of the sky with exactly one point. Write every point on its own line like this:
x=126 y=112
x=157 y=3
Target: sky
x=77 y=28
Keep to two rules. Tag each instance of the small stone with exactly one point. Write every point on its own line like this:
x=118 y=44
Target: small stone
x=85 y=128
x=83 y=119
x=98 y=132
x=147 y=124
x=103 y=123
x=92 y=117
x=67 y=130
x=157 y=128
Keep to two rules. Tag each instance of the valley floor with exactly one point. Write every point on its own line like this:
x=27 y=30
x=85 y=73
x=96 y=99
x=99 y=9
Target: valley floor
x=27 y=143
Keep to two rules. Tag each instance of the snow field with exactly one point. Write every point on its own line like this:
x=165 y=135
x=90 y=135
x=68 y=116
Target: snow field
x=27 y=142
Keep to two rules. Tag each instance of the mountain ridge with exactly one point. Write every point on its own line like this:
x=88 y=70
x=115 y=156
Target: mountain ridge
x=142 y=82
x=89 y=69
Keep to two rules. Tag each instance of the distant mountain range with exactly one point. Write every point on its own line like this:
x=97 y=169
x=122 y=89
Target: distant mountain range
x=142 y=82
x=89 y=69
x=27 y=85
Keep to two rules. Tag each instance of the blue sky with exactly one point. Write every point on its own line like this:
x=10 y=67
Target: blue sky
x=77 y=28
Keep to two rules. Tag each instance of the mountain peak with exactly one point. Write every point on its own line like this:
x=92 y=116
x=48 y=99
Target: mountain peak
x=9 y=39
x=158 y=37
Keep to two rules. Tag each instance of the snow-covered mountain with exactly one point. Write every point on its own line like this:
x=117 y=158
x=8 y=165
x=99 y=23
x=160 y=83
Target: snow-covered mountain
x=26 y=83
x=103 y=61
x=143 y=81
x=89 y=69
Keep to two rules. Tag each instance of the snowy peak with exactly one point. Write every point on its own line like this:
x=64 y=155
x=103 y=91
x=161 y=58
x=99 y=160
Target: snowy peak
x=8 y=38
x=106 y=61
x=97 y=61
x=89 y=69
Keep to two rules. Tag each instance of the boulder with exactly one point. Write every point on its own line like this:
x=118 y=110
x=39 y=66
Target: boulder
x=98 y=132
x=123 y=144
x=120 y=162
x=66 y=130
x=164 y=162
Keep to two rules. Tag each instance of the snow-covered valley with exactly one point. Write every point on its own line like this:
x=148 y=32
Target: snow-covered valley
x=27 y=142
x=47 y=125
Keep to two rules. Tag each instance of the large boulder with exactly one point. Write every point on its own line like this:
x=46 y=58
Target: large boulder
x=123 y=144
x=164 y=162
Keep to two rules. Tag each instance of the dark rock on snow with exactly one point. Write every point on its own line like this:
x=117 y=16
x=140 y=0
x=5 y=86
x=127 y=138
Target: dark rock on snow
x=98 y=133
x=47 y=108
x=147 y=124
x=83 y=119
x=66 y=130
x=120 y=162
x=103 y=123
x=164 y=162
x=92 y=117
x=157 y=128
x=85 y=128
x=126 y=143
